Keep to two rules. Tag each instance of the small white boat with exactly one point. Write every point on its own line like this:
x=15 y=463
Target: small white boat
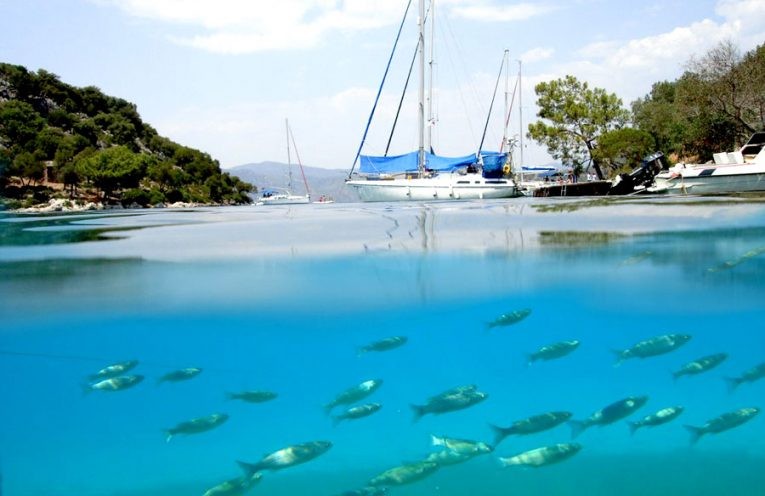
x=284 y=196
x=732 y=172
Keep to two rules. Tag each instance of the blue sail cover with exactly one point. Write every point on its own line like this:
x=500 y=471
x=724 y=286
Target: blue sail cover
x=493 y=164
x=408 y=163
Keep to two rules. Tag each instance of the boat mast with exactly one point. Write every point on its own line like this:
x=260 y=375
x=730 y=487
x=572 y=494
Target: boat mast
x=421 y=105
x=431 y=121
x=289 y=159
x=520 y=113
x=507 y=104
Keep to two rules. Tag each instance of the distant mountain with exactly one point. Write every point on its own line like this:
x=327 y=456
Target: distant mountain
x=327 y=182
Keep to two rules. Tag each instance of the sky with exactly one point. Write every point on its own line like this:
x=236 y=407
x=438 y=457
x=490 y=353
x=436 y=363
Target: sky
x=222 y=76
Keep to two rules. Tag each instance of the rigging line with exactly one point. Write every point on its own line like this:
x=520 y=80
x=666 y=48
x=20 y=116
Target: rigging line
x=491 y=106
x=300 y=162
x=379 y=91
x=403 y=93
x=456 y=48
x=509 y=112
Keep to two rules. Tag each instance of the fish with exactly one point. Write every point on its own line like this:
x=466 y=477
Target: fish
x=354 y=394
x=722 y=423
x=461 y=446
x=197 y=425
x=357 y=412
x=754 y=374
x=509 y=318
x=386 y=344
x=235 y=487
x=659 y=418
x=553 y=351
x=404 y=474
x=448 y=457
x=531 y=425
x=658 y=345
x=114 y=384
x=113 y=370
x=608 y=415
x=543 y=456
x=366 y=491
x=701 y=365
x=287 y=457
x=252 y=396
x=449 y=401
x=180 y=375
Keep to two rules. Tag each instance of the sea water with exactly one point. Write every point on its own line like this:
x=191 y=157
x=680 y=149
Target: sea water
x=72 y=302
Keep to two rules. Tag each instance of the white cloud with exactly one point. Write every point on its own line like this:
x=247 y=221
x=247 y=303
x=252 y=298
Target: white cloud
x=536 y=55
x=492 y=12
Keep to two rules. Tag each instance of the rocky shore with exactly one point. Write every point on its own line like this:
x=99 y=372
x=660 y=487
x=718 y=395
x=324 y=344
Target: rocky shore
x=62 y=205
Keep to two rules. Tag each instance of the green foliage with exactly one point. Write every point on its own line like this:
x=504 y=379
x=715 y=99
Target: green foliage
x=624 y=149
x=99 y=141
x=573 y=117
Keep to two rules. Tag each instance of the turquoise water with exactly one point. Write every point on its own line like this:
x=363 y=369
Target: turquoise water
x=293 y=325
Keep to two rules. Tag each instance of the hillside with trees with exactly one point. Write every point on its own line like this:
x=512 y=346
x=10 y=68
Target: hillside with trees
x=716 y=105
x=60 y=141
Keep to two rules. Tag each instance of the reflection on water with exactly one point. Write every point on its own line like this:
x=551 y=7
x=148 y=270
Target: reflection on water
x=294 y=326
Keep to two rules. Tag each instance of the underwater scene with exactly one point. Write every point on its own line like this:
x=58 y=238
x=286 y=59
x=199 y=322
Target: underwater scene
x=587 y=362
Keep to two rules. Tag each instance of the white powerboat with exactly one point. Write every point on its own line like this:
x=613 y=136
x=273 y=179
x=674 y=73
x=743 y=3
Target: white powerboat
x=732 y=172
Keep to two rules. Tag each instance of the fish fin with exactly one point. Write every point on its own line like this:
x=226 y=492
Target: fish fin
x=500 y=433
x=634 y=426
x=732 y=383
x=250 y=469
x=577 y=427
x=419 y=411
x=619 y=357
x=696 y=433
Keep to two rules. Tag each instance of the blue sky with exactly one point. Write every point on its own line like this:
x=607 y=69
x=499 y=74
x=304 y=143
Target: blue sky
x=223 y=75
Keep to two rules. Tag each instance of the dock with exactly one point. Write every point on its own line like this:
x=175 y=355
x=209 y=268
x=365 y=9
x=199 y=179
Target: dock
x=589 y=188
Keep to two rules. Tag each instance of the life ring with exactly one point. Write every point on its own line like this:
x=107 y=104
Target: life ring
x=506 y=169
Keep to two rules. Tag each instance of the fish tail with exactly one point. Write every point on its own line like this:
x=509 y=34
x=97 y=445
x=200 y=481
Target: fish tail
x=634 y=426
x=619 y=357
x=86 y=389
x=419 y=411
x=500 y=433
x=507 y=462
x=577 y=427
x=437 y=441
x=733 y=383
x=676 y=376
x=696 y=433
x=336 y=419
x=250 y=469
x=168 y=435
x=328 y=408
x=529 y=359
x=230 y=396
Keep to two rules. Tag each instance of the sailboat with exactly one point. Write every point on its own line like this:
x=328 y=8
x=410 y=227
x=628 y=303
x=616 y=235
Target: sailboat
x=284 y=196
x=422 y=175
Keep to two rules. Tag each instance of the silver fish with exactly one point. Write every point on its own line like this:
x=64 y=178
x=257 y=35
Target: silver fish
x=180 y=375
x=386 y=344
x=462 y=446
x=608 y=415
x=553 y=351
x=252 y=396
x=754 y=374
x=509 y=318
x=197 y=425
x=543 y=456
x=113 y=370
x=659 y=418
x=701 y=365
x=357 y=412
x=404 y=474
x=658 y=345
x=723 y=423
x=449 y=401
x=114 y=383
x=287 y=457
x=235 y=487
x=366 y=491
x=531 y=425
x=354 y=394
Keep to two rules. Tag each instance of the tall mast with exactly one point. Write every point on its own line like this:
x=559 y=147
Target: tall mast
x=429 y=140
x=421 y=106
x=507 y=102
x=520 y=113
x=289 y=159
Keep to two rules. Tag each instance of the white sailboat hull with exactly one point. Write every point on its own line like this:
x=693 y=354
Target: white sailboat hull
x=285 y=200
x=451 y=187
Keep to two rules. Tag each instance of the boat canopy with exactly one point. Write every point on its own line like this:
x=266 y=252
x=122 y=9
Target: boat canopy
x=408 y=163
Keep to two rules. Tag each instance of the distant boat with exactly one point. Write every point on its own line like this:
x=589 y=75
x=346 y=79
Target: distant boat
x=732 y=172
x=285 y=196
x=422 y=175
